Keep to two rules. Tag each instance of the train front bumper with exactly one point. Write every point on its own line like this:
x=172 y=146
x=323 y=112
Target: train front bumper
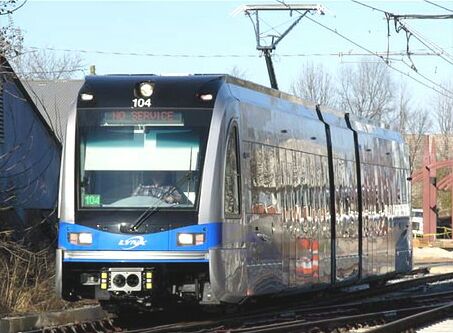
x=135 y=256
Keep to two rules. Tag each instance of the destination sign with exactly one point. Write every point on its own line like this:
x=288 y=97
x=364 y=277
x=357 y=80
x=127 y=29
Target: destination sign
x=151 y=118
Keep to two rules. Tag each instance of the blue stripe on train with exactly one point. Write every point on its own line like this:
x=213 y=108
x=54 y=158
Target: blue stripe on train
x=160 y=241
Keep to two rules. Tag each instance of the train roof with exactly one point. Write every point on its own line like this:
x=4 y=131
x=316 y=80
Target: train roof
x=110 y=89
x=117 y=90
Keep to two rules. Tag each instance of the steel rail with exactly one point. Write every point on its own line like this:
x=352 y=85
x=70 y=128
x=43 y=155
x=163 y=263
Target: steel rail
x=320 y=307
x=339 y=322
x=299 y=325
x=415 y=321
x=405 y=284
x=280 y=320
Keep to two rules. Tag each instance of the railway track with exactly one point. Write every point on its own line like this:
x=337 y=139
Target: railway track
x=98 y=326
x=362 y=308
x=344 y=311
x=318 y=319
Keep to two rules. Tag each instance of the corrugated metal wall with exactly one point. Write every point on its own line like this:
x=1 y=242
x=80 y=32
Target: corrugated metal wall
x=29 y=155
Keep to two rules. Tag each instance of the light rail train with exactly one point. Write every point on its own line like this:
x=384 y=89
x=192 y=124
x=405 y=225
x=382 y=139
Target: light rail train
x=211 y=189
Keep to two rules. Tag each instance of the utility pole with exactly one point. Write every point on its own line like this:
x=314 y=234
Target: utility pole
x=253 y=12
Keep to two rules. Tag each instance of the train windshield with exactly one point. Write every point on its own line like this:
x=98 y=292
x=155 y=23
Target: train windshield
x=141 y=159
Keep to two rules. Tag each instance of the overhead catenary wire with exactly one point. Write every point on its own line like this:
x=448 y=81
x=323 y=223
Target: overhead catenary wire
x=448 y=93
x=339 y=54
x=379 y=54
x=395 y=17
x=411 y=32
x=20 y=74
x=418 y=52
x=437 y=5
x=429 y=80
x=432 y=45
x=408 y=16
x=405 y=27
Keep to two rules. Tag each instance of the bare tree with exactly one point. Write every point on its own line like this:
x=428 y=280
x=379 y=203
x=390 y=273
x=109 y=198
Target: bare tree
x=11 y=40
x=444 y=117
x=11 y=37
x=414 y=123
x=418 y=125
x=367 y=91
x=402 y=110
x=47 y=65
x=314 y=83
x=30 y=65
x=239 y=73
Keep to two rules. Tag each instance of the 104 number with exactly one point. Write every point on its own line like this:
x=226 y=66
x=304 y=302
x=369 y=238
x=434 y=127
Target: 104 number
x=141 y=102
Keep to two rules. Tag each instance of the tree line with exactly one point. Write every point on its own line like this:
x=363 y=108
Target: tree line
x=368 y=90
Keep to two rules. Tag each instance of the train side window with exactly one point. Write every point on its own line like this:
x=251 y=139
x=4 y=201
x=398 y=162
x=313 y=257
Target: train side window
x=232 y=190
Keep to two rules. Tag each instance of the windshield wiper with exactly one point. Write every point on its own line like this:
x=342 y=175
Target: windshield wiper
x=153 y=209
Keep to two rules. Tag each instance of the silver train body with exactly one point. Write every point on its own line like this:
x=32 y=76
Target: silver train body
x=303 y=197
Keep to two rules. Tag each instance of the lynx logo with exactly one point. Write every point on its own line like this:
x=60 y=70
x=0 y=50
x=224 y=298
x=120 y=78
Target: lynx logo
x=132 y=243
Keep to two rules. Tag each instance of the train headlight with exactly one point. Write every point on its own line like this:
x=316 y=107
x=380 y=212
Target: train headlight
x=206 y=97
x=86 y=238
x=86 y=97
x=190 y=239
x=146 y=89
x=80 y=238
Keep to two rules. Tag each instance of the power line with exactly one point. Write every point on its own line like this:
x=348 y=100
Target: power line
x=424 y=17
x=382 y=58
x=450 y=94
x=429 y=80
x=146 y=54
x=371 y=7
x=418 y=52
x=437 y=5
x=433 y=45
x=410 y=16
x=408 y=34
x=368 y=52
x=346 y=38
x=421 y=40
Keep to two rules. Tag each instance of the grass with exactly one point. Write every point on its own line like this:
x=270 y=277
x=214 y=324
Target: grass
x=27 y=279
x=27 y=273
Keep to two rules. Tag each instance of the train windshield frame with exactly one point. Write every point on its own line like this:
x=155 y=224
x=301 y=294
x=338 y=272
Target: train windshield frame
x=135 y=159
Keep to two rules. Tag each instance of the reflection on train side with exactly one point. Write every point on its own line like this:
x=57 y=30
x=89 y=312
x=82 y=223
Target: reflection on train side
x=290 y=196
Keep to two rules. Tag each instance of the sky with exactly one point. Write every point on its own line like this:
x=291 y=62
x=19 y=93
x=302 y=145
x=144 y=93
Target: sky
x=206 y=37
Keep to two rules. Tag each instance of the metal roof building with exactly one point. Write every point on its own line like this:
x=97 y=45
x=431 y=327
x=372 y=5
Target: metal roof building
x=54 y=100
x=30 y=153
